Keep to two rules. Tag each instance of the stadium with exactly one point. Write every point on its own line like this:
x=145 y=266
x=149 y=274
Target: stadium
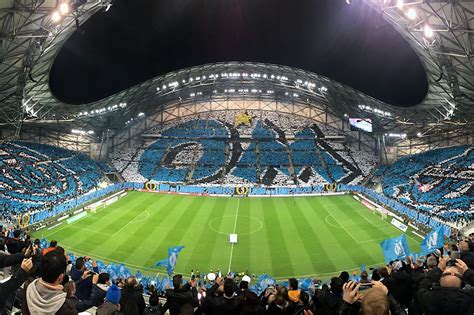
x=236 y=169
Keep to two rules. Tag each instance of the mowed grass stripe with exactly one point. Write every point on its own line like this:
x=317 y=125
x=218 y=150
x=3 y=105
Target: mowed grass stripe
x=350 y=218
x=206 y=241
x=194 y=232
x=260 y=258
x=136 y=250
x=120 y=244
x=220 y=253
x=242 y=254
x=87 y=240
x=356 y=253
x=326 y=237
x=177 y=226
x=295 y=245
x=314 y=253
x=280 y=257
x=298 y=237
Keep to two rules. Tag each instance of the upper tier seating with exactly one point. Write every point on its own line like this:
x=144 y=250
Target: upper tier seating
x=439 y=181
x=274 y=149
x=34 y=175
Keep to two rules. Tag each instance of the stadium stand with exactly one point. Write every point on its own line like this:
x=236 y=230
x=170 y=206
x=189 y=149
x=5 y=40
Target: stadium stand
x=436 y=182
x=35 y=176
x=273 y=150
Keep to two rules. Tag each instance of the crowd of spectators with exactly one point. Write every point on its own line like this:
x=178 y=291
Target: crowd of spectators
x=45 y=281
x=36 y=176
x=437 y=181
x=271 y=140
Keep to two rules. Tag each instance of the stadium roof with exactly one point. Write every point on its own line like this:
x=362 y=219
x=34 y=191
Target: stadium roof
x=30 y=41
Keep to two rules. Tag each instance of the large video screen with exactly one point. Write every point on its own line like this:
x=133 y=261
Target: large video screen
x=364 y=124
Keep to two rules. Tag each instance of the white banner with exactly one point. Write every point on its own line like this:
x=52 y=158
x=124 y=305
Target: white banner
x=399 y=225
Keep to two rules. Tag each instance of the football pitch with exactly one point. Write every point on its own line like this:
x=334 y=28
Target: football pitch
x=280 y=236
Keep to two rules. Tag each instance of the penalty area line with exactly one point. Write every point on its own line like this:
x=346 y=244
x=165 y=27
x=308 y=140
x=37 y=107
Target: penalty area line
x=235 y=229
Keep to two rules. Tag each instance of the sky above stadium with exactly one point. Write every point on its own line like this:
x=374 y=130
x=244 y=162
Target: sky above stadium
x=137 y=40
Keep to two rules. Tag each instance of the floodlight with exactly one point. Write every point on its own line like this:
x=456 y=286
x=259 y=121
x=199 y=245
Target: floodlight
x=400 y=3
x=428 y=31
x=64 y=8
x=56 y=16
x=411 y=14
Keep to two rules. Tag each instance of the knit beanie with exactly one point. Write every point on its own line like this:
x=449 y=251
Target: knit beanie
x=113 y=294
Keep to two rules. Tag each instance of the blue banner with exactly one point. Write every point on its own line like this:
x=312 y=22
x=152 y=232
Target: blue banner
x=433 y=241
x=170 y=263
x=395 y=248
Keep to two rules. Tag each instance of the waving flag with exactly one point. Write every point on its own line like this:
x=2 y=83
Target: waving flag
x=395 y=248
x=433 y=241
x=162 y=263
x=170 y=263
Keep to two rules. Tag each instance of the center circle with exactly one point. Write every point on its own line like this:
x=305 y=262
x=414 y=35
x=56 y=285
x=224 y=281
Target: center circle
x=229 y=220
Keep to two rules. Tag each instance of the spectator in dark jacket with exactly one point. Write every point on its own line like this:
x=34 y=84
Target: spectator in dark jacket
x=154 y=307
x=132 y=297
x=400 y=284
x=8 y=288
x=180 y=295
x=328 y=299
x=466 y=255
x=15 y=244
x=251 y=304
x=100 y=285
x=83 y=277
x=441 y=291
x=227 y=303
x=45 y=295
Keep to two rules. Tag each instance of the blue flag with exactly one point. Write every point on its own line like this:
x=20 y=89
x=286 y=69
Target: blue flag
x=162 y=263
x=173 y=253
x=433 y=241
x=170 y=262
x=395 y=248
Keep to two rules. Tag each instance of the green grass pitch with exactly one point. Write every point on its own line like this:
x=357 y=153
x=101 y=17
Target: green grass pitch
x=281 y=236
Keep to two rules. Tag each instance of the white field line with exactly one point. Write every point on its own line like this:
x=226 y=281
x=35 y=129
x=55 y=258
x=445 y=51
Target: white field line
x=235 y=229
x=384 y=223
x=132 y=222
x=342 y=227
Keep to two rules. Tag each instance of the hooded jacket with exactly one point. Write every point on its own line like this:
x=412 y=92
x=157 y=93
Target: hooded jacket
x=46 y=299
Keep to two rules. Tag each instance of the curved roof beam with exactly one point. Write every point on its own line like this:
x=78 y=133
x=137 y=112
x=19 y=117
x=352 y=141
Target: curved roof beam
x=30 y=42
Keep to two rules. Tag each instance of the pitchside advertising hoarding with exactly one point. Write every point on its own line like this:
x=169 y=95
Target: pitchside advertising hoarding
x=399 y=225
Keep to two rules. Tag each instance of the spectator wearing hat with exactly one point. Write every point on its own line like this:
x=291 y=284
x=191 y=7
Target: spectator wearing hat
x=112 y=302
